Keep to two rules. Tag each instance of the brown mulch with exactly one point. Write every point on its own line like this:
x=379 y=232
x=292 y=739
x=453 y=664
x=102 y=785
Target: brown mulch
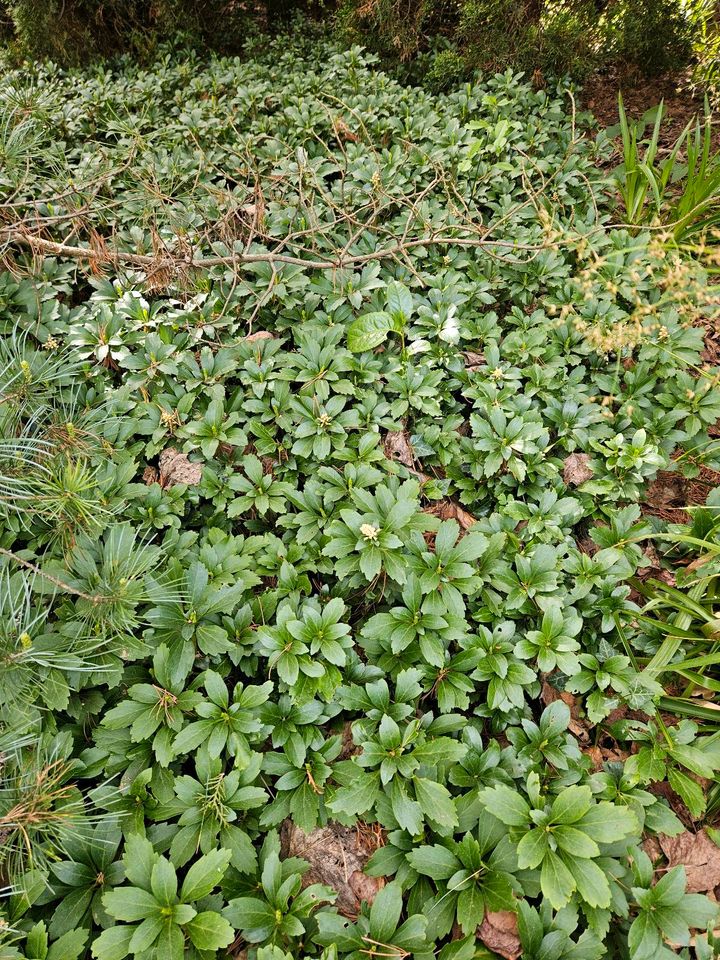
x=670 y=493
x=600 y=95
x=711 y=351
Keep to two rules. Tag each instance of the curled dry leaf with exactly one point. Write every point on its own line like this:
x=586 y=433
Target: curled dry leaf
x=176 y=468
x=397 y=446
x=343 y=131
x=698 y=854
x=473 y=360
x=337 y=856
x=600 y=755
x=577 y=469
x=449 y=510
x=499 y=933
x=259 y=335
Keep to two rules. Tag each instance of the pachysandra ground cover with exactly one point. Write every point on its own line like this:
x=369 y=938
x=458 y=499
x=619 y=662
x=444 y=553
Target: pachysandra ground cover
x=327 y=407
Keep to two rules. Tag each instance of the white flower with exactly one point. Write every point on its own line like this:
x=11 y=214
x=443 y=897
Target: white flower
x=369 y=532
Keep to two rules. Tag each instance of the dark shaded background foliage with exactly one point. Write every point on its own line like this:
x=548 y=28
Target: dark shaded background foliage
x=441 y=39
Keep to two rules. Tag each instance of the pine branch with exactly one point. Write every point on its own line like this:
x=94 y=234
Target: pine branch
x=97 y=598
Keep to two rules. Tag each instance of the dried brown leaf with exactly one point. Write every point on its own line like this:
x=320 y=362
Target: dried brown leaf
x=397 y=446
x=473 y=360
x=259 y=335
x=337 y=856
x=499 y=932
x=577 y=469
x=343 y=132
x=698 y=854
x=449 y=510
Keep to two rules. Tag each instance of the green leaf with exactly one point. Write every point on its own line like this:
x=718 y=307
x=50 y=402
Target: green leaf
x=255 y=918
x=507 y=805
x=399 y=300
x=670 y=889
x=605 y=823
x=592 y=884
x=139 y=859
x=532 y=848
x=204 y=875
x=688 y=790
x=470 y=908
x=164 y=882
x=37 y=941
x=436 y=862
x=696 y=911
x=368 y=331
x=571 y=805
x=407 y=812
x=210 y=931
x=130 y=903
x=358 y=797
x=147 y=933
x=113 y=943
x=385 y=912
x=171 y=943
x=69 y=946
x=436 y=802
x=575 y=842
x=556 y=880
x=644 y=938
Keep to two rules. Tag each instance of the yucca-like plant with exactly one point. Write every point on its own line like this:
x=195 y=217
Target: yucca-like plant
x=681 y=190
x=687 y=616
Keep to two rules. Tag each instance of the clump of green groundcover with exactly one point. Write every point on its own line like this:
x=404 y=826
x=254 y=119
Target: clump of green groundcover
x=319 y=482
